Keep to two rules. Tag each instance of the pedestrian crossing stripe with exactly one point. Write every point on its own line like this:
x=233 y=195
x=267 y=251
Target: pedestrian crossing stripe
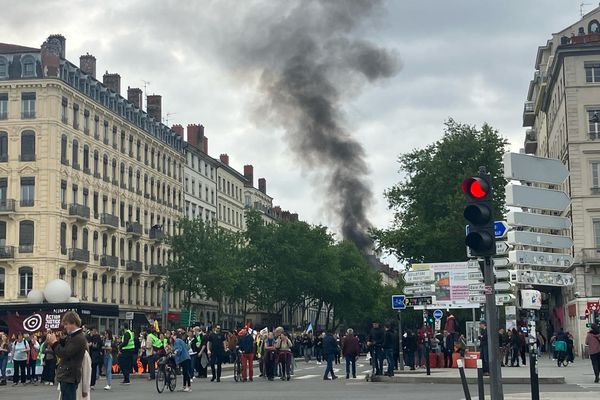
x=307 y=377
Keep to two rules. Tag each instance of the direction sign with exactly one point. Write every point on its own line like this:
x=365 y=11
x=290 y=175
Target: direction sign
x=476 y=287
x=502 y=247
x=419 y=276
x=419 y=301
x=419 y=289
x=534 y=197
x=501 y=298
x=523 y=167
x=540 y=240
x=398 y=302
x=519 y=218
x=475 y=276
x=544 y=278
x=540 y=258
x=437 y=314
x=501 y=274
x=502 y=262
x=503 y=286
x=500 y=229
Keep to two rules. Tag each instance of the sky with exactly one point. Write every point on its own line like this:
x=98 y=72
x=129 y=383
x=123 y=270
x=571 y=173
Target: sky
x=469 y=60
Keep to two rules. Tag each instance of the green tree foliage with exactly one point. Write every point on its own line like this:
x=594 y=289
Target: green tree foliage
x=428 y=203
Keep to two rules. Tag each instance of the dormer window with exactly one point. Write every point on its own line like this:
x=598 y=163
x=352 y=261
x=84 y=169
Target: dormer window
x=28 y=67
x=594 y=26
x=3 y=68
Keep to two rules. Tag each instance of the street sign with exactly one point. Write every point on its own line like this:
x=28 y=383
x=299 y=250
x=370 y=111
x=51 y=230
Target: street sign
x=398 y=302
x=543 y=278
x=539 y=240
x=500 y=229
x=438 y=325
x=523 y=167
x=502 y=247
x=502 y=286
x=437 y=314
x=534 y=197
x=502 y=262
x=501 y=274
x=501 y=298
x=419 y=301
x=479 y=298
x=476 y=287
x=540 y=258
x=419 y=276
x=475 y=276
x=129 y=315
x=487 y=289
x=419 y=289
x=520 y=218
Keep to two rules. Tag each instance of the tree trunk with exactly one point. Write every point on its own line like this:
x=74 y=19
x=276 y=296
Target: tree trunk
x=327 y=319
x=317 y=315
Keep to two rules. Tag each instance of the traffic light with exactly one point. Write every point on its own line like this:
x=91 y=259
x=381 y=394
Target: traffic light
x=479 y=211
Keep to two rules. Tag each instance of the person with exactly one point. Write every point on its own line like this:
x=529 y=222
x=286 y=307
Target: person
x=70 y=350
x=183 y=359
x=502 y=340
x=329 y=349
x=34 y=348
x=96 y=354
x=283 y=344
x=232 y=346
x=83 y=390
x=126 y=353
x=376 y=338
x=420 y=350
x=307 y=345
x=154 y=350
x=203 y=359
x=450 y=324
x=462 y=346
x=3 y=357
x=269 y=356
x=592 y=341
x=107 y=349
x=20 y=351
x=350 y=350
x=448 y=349
x=318 y=348
x=49 y=369
x=540 y=342
x=247 y=348
x=483 y=347
x=216 y=352
x=570 y=344
x=515 y=345
x=388 y=349
x=410 y=347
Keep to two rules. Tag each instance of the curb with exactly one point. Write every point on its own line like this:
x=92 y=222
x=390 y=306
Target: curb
x=549 y=380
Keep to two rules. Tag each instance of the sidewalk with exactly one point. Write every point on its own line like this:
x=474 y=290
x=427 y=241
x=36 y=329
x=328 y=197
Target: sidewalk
x=580 y=372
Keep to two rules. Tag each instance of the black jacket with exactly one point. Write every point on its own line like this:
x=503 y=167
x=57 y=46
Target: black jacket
x=329 y=345
x=377 y=336
x=388 y=339
x=70 y=352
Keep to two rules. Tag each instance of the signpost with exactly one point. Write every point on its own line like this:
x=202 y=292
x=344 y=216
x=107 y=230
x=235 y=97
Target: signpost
x=519 y=218
x=501 y=298
x=522 y=167
x=419 y=276
x=419 y=289
x=501 y=228
x=398 y=302
x=540 y=258
x=534 y=197
x=502 y=262
x=437 y=314
x=539 y=240
x=419 y=301
x=545 y=278
x=502 y=247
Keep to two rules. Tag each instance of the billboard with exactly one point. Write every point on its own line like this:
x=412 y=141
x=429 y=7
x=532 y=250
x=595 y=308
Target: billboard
x=452 y=282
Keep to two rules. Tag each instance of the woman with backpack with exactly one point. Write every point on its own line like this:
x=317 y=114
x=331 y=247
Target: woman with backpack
x=20 y=350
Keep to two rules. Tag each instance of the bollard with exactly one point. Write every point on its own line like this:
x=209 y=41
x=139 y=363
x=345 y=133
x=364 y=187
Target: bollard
x=480 y=387
x=463 y=379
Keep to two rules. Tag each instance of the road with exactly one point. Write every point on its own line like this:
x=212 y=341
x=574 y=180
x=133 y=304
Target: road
x=307 y=383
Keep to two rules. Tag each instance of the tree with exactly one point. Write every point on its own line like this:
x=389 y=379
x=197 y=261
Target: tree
x=428 y=204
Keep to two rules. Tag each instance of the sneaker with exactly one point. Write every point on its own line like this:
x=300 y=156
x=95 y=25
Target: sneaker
x=51 y=383
x=187 y=389
x=92 y=388
x=107 y=387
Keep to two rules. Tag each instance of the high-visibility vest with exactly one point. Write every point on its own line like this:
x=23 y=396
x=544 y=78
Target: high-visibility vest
x=155 y=341
x=130 y=345
x=165 y=341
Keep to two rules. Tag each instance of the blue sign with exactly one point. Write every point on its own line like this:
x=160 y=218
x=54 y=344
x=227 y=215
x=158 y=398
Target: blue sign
x=437 y=314
x=500 y=229
x=398 y=302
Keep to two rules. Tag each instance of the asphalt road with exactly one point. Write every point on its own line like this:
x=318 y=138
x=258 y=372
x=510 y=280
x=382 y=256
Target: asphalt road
x=306 y=384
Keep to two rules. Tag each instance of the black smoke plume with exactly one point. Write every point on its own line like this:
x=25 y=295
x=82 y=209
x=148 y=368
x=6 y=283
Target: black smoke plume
x=313 y=62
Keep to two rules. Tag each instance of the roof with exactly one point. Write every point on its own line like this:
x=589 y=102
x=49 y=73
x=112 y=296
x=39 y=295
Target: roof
x=15 y=48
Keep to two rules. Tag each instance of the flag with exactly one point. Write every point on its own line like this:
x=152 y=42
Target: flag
x=310 y=328
x=264 y=331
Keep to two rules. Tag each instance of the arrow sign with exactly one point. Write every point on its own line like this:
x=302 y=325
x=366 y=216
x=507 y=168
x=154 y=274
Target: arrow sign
x=501 y=262
x=533 y=197
x=544 y=278
x=503 y=286
x=502 y=247
x=500 y=229
x=423 y=275
x=519 y=218
x=539 y=240
x=419 y=289
x=475 y=276
x=502 y=274
x=419 y=301
x=398 y=302
x=476 y=287
x=522 y=167
x=500 y=298
x=540 y=258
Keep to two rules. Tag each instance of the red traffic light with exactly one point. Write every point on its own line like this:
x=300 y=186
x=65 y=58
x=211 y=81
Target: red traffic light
x=475 y=187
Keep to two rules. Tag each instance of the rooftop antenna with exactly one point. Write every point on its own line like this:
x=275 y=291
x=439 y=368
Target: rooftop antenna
x=167 y=118
x=581 y=12
x=146 y=84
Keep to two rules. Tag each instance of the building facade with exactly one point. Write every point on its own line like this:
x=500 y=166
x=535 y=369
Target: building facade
x=562 y=114
x=90 y=184
x=230 y=201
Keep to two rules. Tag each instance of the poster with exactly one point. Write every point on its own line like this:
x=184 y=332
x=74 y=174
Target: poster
x=39 y=321
x=451 y=283
x=511 y=317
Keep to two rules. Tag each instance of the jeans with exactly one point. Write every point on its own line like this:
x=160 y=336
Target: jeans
x=151 y=362
x=420 y=355
x=31 y=375
x=68 y=391
x=3 y=362
x=49 y=370
x=409 y=358
x=285 y=360
x=20 y=371
x=308 y=352
x=350 y=361
x=329 y=369
x=378 y=356
x=389 y=356
x=94 y=377
x=448 y=359
x=484 y=358
x=108 y=361
x=186 y=371
x=125 y=364
x=595 y=358
x=247 y=365
x=216 y=365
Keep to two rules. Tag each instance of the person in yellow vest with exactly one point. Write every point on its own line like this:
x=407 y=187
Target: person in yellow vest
x=155 y=347
x=126 y=353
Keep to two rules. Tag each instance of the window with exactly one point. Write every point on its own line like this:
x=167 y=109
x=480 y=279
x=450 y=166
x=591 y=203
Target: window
x=3 y=147
x=28 y=146
x=96 y=174
x=75 y=116
x=74 y=234
x=94 y=286
x=84 y=239
x=2 y=281
x=63 y=150
x=595 y=175
x=105 y=167
x=595 y=286
x=28 y=67
x=73 y=282
x=86 y=159
x=63 y=194
x=86 y=121
x=26 y=233
x=63 y=238
x=61 y=273
x=75 y=157
x=28 y=105
x=594 y=123
x=3 y=105
x=27 y=191
x=3 y=68
x=105 y=133
x=594 y=26
x=592 y=72
x=63 y=110
x=25 y=280
x=103 y=288
x=84 y=285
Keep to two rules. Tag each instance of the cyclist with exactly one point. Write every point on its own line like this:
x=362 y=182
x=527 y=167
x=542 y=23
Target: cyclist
x=183 y=359
x=155 y=348
x=246 y=343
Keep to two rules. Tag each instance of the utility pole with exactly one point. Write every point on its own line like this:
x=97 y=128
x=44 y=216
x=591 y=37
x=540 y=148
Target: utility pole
x=491 y=315
x=401 y=352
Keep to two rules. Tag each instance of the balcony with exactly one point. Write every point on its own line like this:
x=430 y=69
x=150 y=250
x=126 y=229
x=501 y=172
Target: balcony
x=106 y=179
x=86 y=130
x=528 y=114
x=156 y=270
x=530 y=141
x=138 y=192
x=26 y=248
x=76 y=166
x=87 y=171
x=75 y=125
x=156 y=233
x=7 y=252
x=595 y=190
x=3 y=115
x=109 y=261
x=114 y=146
x=27 y=114
x=27 y=202
x=79 y=211
x=63 y=119
x=97 y=175
x=146 y=195
x=134 y=228
x=7 y=206
x=115 y=182
x=97 y=136
x=64 y=161
x=134 y=266
x=109 y=221
x=79 y=255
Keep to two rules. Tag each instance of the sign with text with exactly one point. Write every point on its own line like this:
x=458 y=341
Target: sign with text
x=451 y=282
x=543 y=278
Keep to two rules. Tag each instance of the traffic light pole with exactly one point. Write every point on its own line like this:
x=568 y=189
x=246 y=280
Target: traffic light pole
x=491 y=313
x=401 y=351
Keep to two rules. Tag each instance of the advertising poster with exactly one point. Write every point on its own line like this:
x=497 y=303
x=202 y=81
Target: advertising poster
x=451 y=283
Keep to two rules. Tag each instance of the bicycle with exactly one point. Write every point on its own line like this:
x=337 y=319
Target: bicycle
x=237 y=366
x=166 y=375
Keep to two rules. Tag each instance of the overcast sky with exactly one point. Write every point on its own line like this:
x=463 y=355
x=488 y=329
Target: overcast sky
x=471 y=60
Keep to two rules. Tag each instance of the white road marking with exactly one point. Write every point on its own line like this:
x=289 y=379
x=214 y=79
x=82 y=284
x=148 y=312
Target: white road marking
x=307 y=377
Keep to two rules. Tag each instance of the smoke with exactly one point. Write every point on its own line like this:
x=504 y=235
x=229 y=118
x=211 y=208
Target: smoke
x=312 y=63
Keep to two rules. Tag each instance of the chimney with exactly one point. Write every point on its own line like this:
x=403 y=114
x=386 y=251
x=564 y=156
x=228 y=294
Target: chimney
x=178 y=129
x=58 y=42
x=195 y=133
x=87 y=63
x=134 y=95
x=154 y=106
x=205 y=145
x=262 y=185
x=112 y=81
x=224 y=159
x=249 y=174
